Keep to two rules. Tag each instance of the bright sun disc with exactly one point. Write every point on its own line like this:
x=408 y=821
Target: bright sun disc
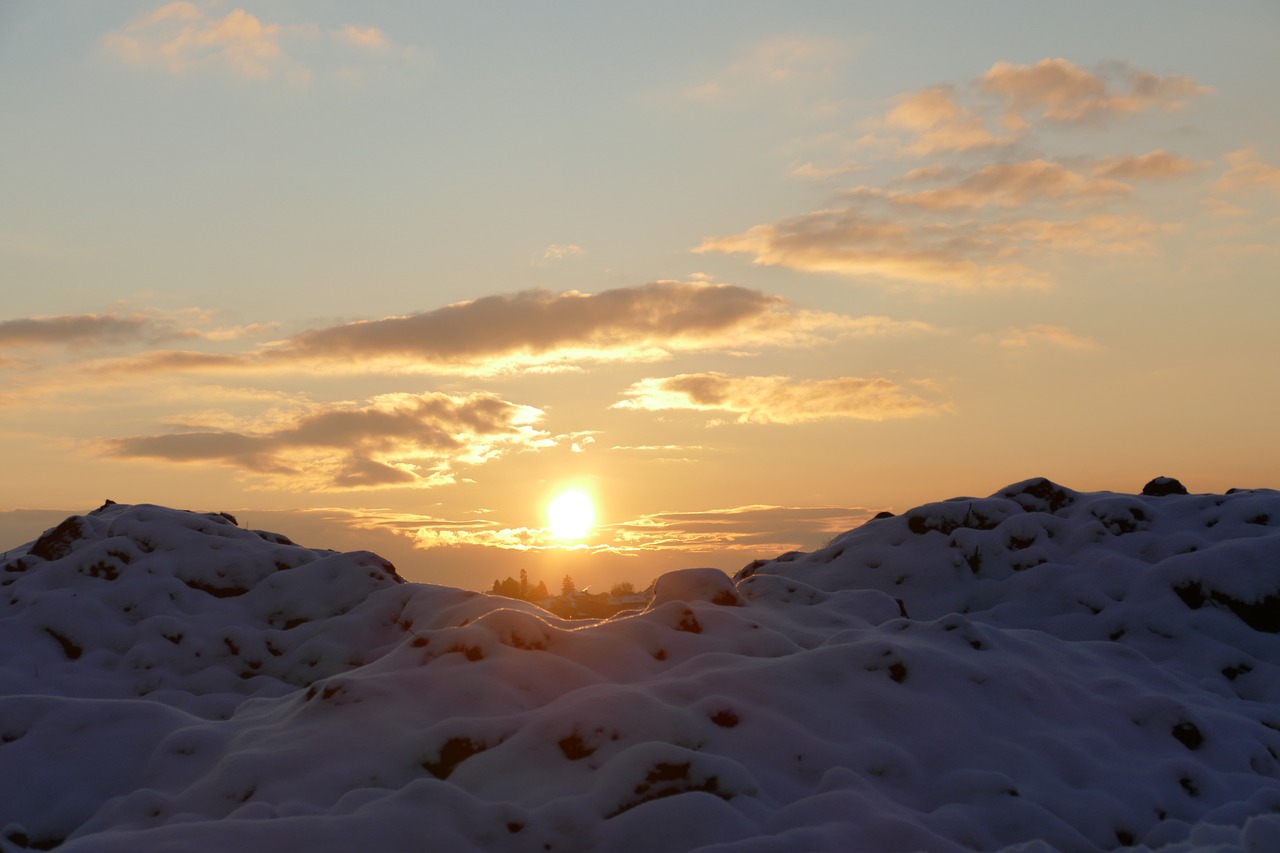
x=571 y=514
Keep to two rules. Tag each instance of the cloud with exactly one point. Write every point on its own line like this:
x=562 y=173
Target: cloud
x=537 y=329
x=1103 y=234
x=183 y=37
x=370 y=38
x=75 y=330
x=781 y=60
x=760 y=529
x=940 y=123
x=1011 y=185
x=814 y=172
x=947 y=235
x=949 y=119
x=114 y=329
x=854 y=242
x=1044 y=334
x=979 y=217
x=1158 y=165
x=393 y=440
x=1060 y=91
x=777 y=399
x=558 y=252
x=1219 y=208
x=1246 y=173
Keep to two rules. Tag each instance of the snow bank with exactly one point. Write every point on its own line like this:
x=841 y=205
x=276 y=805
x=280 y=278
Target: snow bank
x=1037 y=670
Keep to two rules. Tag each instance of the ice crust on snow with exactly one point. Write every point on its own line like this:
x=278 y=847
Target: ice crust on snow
x=1038 y=670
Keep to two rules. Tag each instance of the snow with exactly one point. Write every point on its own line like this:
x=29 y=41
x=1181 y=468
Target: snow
x=1038 y=670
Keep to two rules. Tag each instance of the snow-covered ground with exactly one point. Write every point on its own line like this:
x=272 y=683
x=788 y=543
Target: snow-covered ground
x=1038 y=670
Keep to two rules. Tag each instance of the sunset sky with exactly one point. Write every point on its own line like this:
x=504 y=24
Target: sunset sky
x=394 y=275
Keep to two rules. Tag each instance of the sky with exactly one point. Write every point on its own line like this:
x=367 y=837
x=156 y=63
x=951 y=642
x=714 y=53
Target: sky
x=394 y=276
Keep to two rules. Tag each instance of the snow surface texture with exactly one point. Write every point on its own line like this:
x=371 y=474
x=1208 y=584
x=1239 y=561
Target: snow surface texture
x=1034 y=671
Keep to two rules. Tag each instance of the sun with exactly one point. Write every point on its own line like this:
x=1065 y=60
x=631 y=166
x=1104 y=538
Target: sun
x=571 y=514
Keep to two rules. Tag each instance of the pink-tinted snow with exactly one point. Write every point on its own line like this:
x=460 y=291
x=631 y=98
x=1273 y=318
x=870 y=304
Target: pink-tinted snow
x=1039 y=670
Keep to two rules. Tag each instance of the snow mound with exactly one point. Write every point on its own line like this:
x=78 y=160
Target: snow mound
x=1037 y=670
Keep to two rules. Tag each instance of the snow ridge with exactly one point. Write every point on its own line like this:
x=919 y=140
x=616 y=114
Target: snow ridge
x=1038 y=670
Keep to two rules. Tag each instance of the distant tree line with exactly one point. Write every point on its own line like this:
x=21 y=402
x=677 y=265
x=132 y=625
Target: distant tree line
x=523 y=590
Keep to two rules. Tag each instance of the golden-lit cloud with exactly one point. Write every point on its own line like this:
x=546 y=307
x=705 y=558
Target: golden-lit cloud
x=778 y=399
x=1000 y=108
x=538 y=329
x=370 y=38
x=780 y=60
x=415 y=440
x=853 y=242
x=117 y=329
x=184 y=36
x=561 y=251
x=1011 y=185
x=1102 y=234
x=1158 y=165
x=181 y=36
x=1223 y=209
x=1045 y=334
x=758 y=529
x=814 y=172
x=74 y=330
x=1061 y=91
x=940 y=123
x=1247 y=173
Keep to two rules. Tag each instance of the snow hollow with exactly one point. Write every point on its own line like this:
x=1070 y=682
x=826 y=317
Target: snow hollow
x=1039 y=670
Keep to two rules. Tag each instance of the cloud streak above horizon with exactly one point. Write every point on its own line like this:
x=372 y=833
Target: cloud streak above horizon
x=541 y=330
x=413 y=440
x=778 y=399
x=78 y=331
x=759 y=529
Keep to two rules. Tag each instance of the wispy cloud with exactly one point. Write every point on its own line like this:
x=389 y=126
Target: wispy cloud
x=562 y=251
x=759 y=529
x=1158 y=165
x=778 y=399
x=780 y=60
x=1010 y=185
x=861 y=243
x=75 y=330
x=1003 y=105
x=1045 y=334
x=414 y=440
x=814 y=172
x=115 y=329
x=952 y=220
x=369 y=38
x=1101 y=234
x=537 y=329
x=936 y=122
x=183 y=37
x=1061 y=91
x=1247 y=173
